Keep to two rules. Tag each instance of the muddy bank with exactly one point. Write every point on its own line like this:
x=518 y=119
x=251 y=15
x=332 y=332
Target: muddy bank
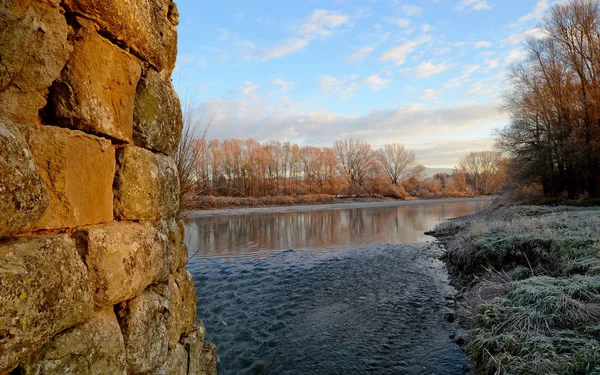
x=530 y=291
x=365 y=203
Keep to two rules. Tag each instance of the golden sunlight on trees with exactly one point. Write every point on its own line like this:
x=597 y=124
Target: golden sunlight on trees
x=487 y=169
x=394 y=160
x=554 y=135
x=249 y=169
x=355 y=161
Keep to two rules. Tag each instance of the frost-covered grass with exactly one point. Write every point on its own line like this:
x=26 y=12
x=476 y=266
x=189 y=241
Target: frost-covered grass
x=557 y=243
x=533 y=302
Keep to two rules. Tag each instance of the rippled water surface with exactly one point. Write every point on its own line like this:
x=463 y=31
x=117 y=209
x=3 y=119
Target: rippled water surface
x=326 y=290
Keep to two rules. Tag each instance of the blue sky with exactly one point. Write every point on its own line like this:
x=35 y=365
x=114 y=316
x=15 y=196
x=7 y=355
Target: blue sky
x=426 y=73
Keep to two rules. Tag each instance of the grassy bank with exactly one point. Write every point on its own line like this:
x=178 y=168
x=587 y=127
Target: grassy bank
x=531 y=288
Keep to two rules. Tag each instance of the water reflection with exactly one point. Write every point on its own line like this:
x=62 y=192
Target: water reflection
x=240 y=234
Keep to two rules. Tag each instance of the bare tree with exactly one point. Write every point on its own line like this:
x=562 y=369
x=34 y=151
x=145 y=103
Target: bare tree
x=394 y=159
x=354 y=157
x=487 y=169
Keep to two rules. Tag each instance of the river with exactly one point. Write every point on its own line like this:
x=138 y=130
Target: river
x=331 y=289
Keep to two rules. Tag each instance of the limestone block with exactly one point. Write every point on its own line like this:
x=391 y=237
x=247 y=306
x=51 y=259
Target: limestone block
x=148 y=27
x=94 y=347
x=208 y=360
x=157 y=119
x=78 y=171
x=181 y=308
x=182 y=305
x=146 y=185
x=193 y=342
x=177 y=362
x=123 y=259
x=44 y=289
x=33 y=51
x=175 y=249
x=23 y=195
x=144 y=328
x=96 y=90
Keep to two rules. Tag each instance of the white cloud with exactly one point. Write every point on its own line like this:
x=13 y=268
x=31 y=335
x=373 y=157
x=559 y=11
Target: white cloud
x=419 y=126
x=376 y=82
x=361 y=53
x=517 y=38
x=536 y=14
x=412 y=10
x=344 y=86
x=492 y=64
x=288 y=46
x=322 y=22
x=483 y=44
x=429 y=94
x=428 y=69
x=283 y=84
x=401 y=22
x=513 y=56
x=398 y=54
x=426 y=28
x=474 y=5
x=249 y=88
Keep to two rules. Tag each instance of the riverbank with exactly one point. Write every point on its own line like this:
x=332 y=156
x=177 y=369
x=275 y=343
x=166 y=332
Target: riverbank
x=529 y=277
x=336 y=205
x=210 y=202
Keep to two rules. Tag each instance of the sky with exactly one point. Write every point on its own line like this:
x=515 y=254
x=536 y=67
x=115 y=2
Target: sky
x=426 y=73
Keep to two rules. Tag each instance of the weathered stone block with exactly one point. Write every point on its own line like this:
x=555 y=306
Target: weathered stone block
x=94 y=347
x=33 y=51
x=148 y=27
x=177 y=362
x=23 y=195
x=182 y=303
x=193 y=342
x=44 y=289
x=96 y=90
x=144 y=328
x=78 y=171
x=181 y=308
x=157 y=119
x=146 y=185
x=175 y=249
x=208 y=360
x=123 y=259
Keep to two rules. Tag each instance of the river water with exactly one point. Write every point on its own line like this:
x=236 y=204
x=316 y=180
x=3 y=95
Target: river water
x=332 y=289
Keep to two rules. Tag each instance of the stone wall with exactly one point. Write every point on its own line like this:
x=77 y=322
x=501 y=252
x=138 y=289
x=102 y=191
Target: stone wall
x=92 y=276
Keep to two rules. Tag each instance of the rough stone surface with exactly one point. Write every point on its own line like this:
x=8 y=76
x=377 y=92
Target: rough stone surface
x=144 y=328
x=44 y=289
x=96 y=90
x=193 y=341
x=23 y=195
x=95 y=347
x=157 y=119
x=33 y=51
x=148 y=27
x=181 y=308
x=123 y=259
x=77 y=170
x=146 y=185
x=182 y=303
x=177 y=362
x=175 y=249
x=208 y=360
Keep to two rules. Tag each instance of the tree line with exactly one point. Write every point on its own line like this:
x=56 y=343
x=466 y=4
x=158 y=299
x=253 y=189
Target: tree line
x=247 y=168
x=554 y=135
